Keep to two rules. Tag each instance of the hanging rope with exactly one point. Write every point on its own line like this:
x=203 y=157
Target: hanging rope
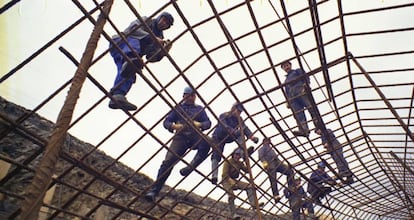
x=43 y=176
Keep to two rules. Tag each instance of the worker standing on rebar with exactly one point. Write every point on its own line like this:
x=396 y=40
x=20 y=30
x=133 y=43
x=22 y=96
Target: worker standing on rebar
x=298 y=199
x=138 y=43
x=188 y=120
x=336 y=151
x=319 y=183
x=273 y=165
x=298 y=92
x=230 y=180
x=230 y=128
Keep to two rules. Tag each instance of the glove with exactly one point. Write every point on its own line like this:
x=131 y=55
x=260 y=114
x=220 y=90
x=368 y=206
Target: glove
x=177 y=126
x=255 y=139
x=155 y=54
x=197 y=124
x=167 y=45
x=265 y=164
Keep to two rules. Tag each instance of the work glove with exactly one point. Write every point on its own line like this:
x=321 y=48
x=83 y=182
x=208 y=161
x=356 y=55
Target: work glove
x=197 y=124
x=287 y=105
x=265 y=164
x=255 y=139
x=167 y=45
x=177 y=126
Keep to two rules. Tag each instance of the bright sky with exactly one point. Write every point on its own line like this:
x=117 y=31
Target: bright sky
x=31 y=24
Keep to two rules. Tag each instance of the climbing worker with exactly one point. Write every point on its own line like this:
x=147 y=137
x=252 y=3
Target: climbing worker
x=230 y=128
x=318 y=181
x=336 y=151
x=272 y=165
x=137 y=43
x=230 y=180
x=188 y=120
x=298 y=92
x=298 y=199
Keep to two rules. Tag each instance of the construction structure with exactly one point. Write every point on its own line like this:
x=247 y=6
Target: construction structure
x=358 y=57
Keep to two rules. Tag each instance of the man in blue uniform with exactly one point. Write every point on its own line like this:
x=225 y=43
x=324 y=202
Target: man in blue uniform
x=272 y=164
x=298 y=199
x=336 y=151
x=188 y=120
x=230 y=128
x=298 y=92
x=318 y=182
x=139 y=43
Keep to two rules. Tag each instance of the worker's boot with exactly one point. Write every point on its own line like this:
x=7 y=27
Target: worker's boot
x=194 y=163
x=214 y=171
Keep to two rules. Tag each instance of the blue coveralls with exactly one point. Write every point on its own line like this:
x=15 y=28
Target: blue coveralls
x=336 y=151
x=318 y=189
x=183 y=140
x=266 y=153
x=299 y=98
x=227 y=131
x=138 y=40
x=297 y=201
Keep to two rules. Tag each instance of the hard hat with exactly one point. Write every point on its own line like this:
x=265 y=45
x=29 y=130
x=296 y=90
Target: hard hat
x=296 y=177
x=322 y=164
x=188 y=90
x=238 y=151
x=168 y=16
x=238 y=106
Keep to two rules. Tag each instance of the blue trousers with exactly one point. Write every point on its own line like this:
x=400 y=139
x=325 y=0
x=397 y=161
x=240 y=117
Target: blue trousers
x=123 y=85
x=338 y=156
x=277 y=166
x=180 y=145
x=300 y=102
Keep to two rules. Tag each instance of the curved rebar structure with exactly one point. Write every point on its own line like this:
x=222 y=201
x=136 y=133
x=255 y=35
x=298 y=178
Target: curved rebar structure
x=230 y=51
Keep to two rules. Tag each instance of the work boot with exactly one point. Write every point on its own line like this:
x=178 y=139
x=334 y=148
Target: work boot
x=186 y=171
x=128 y=69
x=214 y=170
x=119 y=101
x=301 y=133
x=349 y=180
x=250 y=150
x=150 y=196
x=193 y=164
x=277 y=198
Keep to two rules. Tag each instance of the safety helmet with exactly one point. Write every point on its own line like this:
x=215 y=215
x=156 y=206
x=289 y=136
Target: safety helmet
x=322 y=164
x=237 y=151
x=188 y=90
x=296 y=177
x=238 y=106
x=168 y=16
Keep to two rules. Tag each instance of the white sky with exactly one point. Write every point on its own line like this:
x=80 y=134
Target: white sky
x=31 y=24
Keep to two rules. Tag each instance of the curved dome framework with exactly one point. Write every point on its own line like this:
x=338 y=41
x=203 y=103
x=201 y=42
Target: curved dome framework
x=358 y=55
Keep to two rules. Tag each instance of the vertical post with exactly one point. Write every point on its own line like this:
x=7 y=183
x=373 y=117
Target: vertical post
x=44 y=211
x=37 y=189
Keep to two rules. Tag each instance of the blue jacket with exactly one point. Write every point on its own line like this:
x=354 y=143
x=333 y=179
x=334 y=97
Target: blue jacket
x=318 y=178
x=192 y=112
x=266 y=153
x=295 y=88
x=227 y=128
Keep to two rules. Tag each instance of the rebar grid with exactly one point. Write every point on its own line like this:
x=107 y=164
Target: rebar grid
x=375 y=130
